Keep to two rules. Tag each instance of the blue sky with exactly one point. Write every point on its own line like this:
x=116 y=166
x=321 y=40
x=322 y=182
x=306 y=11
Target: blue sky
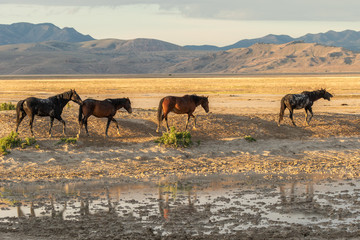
x=185 y=22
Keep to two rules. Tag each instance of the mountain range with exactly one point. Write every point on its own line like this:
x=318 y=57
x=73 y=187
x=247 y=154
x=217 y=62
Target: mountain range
x=46 y=49
x=30 y=33
x=348 y=39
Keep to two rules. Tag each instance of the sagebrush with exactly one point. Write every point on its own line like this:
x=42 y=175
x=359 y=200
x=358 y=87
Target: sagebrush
x=67 y=140
x=175 y=139
x=7 y=106
x=13 y=140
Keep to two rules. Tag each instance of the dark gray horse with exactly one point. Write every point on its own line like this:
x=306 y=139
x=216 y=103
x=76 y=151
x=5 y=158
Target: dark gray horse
x=52 y=107
x=304 y=100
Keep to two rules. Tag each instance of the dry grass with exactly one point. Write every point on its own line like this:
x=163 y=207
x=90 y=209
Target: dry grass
x=344 y=84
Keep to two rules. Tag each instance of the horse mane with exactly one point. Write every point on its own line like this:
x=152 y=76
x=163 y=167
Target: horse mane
x=314 y=95
x=117 y=101
x=65 y=95
x=197 y=99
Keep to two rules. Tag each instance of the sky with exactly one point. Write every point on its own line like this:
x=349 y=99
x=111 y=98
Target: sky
x=187 y=22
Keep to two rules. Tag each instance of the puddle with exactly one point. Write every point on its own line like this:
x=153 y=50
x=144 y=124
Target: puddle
x=197 y=207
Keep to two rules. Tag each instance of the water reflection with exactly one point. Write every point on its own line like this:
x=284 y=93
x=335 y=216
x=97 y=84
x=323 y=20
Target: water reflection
x=168 y=191
x=296 y=192
x=170 y=206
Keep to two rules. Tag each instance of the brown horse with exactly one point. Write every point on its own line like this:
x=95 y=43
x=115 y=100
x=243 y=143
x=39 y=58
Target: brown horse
x=101 y=109
x=180 y=105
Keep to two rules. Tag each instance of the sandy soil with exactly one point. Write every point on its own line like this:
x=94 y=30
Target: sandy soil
x=329 y=146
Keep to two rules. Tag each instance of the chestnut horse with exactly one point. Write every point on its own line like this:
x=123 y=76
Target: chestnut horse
x=101 y=109
x=52 y=107
x=304 y=100
x=180 y=105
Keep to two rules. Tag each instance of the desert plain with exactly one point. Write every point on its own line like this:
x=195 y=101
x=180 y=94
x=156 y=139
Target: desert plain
x=240 y=106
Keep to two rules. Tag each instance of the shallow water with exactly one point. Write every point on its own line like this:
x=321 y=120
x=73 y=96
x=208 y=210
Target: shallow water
x=220 y=205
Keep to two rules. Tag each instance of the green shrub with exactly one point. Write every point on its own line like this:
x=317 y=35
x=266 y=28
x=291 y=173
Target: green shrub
x=3 y=150
x=13 y=140
x=249 y=138
x=7 y=106
x=29 y=142
x=67 y=140
x=175 y=139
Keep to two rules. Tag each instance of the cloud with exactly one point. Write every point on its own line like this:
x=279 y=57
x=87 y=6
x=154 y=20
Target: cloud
x=289 y=10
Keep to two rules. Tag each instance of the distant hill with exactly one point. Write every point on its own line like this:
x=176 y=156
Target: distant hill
x=32 y=33
x=348 y=39
x=293 y=57
x=107 y=56
x=142 y=56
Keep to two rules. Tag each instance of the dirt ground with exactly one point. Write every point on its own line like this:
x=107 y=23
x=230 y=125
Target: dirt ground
x=238 y=108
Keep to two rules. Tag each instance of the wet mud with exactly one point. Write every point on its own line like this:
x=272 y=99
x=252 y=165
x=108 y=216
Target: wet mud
x=241 y=206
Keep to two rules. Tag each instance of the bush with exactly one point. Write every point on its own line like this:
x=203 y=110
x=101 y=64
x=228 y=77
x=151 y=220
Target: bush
x=67 y=140
x=175 y=139
x=250 y=139
x=13 y=140
x=7 y=106
x=28 y=142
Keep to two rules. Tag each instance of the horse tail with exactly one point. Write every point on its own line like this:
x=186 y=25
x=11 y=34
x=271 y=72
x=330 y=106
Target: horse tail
x=80 y=114
x=20 y=113
x=282 y=110
x=19 y=110
x=159 y=113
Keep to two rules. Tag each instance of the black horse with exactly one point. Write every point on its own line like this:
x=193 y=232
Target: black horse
x=304 y=100
x=52 y=107
x=106 y=108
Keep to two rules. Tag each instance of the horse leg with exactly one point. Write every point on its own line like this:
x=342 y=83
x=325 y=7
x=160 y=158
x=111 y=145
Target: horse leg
x=85 y=120
x=107 y=126
x=291 y=117
x=64 y=125
x=167 y=123
x=117 y=125
x=51 y=125
x=194 y=121
x=80 y=126
x=306 y=117
x=187 y=122
x=81 y=123
x=31 y=124
x=311 y=112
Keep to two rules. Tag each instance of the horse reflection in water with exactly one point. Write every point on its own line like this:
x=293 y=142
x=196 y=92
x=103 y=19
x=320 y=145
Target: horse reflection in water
x=54 y=212
x=180 y=210
x=85 y=206
x=293 y=196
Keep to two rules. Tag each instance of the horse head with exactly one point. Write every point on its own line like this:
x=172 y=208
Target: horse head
x=127 y=105
x=205 y=103
x=75 y=97
x=326 y=94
